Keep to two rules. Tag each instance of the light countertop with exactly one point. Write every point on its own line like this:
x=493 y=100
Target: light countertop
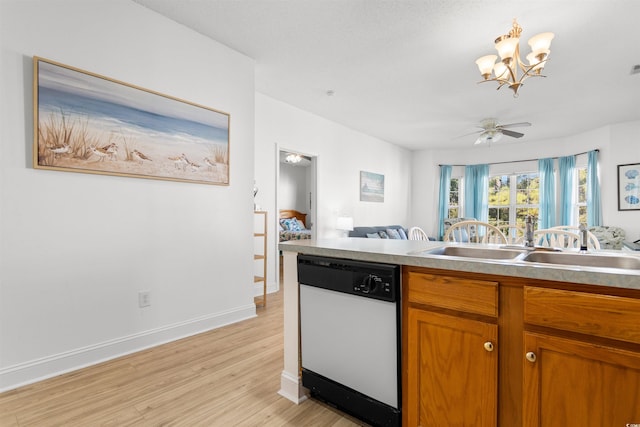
x=409 y=252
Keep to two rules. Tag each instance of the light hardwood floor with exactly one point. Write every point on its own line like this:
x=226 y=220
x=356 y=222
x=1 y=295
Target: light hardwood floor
x=226 y=377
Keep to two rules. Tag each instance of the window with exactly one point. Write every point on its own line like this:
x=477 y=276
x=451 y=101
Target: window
x=454 y=198
x=581 y=209
x=513 y=197
x=499 y=200
x=510 y=204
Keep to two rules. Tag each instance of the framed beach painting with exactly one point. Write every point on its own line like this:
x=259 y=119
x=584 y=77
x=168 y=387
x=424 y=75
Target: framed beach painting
x=371 y=187
x=629 y=187
x=85 y=122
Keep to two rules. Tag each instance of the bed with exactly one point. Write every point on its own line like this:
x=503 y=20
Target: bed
x=292 y=225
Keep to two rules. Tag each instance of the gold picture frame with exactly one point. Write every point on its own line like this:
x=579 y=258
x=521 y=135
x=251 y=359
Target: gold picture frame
x=88 y=123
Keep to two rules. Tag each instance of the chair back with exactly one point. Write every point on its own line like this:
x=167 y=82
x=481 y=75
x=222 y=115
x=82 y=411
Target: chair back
x=592 y=240
x=556 y=238
x=417 y=233
x=474 y=232
x=513 y=233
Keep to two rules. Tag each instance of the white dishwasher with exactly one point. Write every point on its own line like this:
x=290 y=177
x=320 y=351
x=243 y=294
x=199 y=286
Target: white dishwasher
x=350 y=336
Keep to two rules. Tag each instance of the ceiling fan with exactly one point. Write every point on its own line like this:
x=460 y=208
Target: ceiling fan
x=492 y=131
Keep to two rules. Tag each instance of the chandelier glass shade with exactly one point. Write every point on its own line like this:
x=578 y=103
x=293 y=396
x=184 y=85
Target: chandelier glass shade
x=510 y=70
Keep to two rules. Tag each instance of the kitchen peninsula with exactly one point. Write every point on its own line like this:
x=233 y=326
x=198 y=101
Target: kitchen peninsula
x=496 y=339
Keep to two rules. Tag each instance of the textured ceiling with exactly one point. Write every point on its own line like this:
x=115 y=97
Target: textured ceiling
x=404 y=71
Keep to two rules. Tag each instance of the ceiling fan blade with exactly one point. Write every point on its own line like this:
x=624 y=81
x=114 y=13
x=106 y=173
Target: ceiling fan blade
x=512 y=133
x=514 y=125
x=472 y=133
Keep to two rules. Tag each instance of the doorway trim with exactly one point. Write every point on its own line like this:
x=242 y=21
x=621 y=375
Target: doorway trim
x=312 y=200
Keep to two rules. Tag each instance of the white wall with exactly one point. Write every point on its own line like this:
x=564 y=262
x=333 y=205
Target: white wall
x=76 y=248
x=618 y=144
x=293 y=188
x=341 y=154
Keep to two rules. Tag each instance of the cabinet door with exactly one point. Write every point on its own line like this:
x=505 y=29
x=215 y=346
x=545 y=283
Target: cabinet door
x=572 y=383
x=451 y=371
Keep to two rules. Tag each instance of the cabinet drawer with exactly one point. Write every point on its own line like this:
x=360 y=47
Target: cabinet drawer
x=598 y=315
x=468 y=295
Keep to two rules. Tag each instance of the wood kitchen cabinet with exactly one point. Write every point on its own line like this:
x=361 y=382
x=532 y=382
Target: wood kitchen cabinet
x=451 y=352
x=562 y=354
x=582 y=361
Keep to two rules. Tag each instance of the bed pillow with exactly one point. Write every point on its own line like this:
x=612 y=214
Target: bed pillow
x=383 y=234
x=284 y=223
x=373 y=235
x=393 y=233
x=291 y=224
x=300 y=224
x=403 y=235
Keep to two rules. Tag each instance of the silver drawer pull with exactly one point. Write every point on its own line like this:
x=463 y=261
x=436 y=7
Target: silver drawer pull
x=488 y=346
x=531 y=356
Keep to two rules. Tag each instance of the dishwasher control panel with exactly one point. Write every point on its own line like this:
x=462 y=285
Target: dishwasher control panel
x=373 y=284
x=367 y=279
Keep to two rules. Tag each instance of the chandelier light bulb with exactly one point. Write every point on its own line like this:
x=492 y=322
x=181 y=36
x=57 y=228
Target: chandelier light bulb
x=507 y=49
x=486 y=64
x=501 y=71
x=540 y=43
x=535 y=62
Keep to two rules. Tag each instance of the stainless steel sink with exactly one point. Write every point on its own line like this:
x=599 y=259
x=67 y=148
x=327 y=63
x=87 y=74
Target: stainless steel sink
x=584 y=260
x=469 y=252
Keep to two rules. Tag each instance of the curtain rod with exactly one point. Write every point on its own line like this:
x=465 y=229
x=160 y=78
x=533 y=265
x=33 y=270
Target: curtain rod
x=528 y=160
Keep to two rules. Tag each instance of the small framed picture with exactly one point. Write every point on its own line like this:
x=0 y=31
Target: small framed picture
x=371 y=187
x=629 y=187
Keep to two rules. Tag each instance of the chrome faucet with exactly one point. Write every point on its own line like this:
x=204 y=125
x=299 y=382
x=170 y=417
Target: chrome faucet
x=528 y=232
x=584 y=237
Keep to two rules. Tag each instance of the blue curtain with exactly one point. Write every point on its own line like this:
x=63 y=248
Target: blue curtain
x=443 y=201
x=476 y=192
x=594 y=204
x=566 y=169
x=547 y=213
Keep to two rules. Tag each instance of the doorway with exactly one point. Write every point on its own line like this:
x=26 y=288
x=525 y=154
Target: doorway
x=296 y=184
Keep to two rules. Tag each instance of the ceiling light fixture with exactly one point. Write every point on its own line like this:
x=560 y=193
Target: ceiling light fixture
x=293 y=158
x=489 y=136
x=505 y=71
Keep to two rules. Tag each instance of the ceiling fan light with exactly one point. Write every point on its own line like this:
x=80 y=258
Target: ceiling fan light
x=485 y=65
x=507 y=48
x=494 y=136
x=489 y=136
x=540 y=43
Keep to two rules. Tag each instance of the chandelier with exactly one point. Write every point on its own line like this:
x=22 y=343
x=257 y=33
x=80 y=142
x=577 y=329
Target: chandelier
x=510 y=70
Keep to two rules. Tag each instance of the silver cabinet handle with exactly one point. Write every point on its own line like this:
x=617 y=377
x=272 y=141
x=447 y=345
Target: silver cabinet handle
x=488 y=346
x=531 y=356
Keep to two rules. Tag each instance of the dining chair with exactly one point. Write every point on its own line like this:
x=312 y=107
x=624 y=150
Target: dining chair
x=474 y=232
x=592 y=240
x=513 y=233
x=417 y=233
x=556 y=238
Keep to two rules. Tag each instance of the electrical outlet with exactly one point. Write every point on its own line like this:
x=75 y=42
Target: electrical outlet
x=144 y=299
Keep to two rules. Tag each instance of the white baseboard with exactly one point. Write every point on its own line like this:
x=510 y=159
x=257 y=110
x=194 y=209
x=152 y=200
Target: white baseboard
x=258 y=290
x=37 y=370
